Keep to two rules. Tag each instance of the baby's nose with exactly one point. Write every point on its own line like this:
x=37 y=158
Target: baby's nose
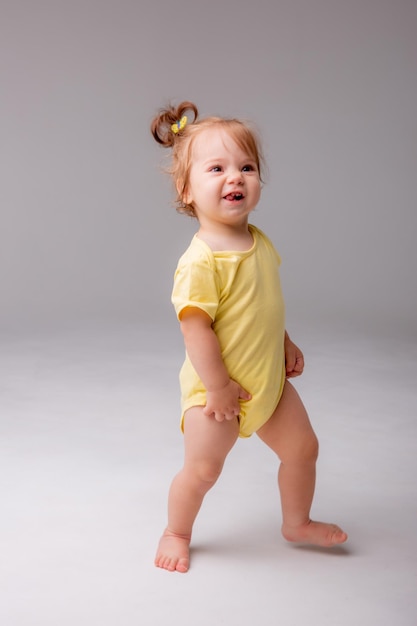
x=235 y=176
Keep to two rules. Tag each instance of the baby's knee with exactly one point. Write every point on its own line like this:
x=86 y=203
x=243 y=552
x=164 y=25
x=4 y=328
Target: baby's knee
x=306 y=450
x=309 y=448
x=207 y=472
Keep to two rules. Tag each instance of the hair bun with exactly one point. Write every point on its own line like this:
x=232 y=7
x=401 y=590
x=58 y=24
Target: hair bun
x=161 y=124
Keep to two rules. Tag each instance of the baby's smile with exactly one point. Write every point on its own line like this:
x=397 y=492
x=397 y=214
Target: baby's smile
x=235 y=196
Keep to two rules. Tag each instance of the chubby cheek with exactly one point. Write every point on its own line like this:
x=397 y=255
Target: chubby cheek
x=256 y=193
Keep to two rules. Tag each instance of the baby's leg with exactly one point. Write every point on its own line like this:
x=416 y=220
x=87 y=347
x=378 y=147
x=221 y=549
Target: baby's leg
x=289 y=433
x=207 y=444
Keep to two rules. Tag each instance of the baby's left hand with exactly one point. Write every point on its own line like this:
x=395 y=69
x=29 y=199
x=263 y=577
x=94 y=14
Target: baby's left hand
x=294 y=359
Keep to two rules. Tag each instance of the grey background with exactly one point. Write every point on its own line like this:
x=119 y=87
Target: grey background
x=88 y=232
x=89 y=344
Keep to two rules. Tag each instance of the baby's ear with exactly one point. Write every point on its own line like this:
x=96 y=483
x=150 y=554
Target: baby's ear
x=183 y=192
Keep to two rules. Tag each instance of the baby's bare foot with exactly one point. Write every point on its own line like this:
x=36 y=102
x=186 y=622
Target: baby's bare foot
x=315 y=533
x=173 y=552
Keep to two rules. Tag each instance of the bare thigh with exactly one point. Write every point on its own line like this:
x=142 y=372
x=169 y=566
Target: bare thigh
x=207 y=442
x=288 y=432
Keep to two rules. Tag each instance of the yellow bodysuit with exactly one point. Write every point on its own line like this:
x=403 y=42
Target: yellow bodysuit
x=241 y=292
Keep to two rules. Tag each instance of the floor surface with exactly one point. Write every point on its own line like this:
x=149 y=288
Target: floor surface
x=89 y=442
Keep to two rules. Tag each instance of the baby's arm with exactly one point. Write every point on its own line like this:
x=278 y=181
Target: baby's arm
x=294 y=359
x=204 y=352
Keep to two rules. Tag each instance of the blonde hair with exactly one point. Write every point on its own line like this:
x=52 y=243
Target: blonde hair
x=181 y=143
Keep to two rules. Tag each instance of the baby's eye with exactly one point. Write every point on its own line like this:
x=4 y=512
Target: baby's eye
x=248 y=168
x=216 y=168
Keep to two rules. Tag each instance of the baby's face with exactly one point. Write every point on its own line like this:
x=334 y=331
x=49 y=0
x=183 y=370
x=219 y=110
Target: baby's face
x=224 y=184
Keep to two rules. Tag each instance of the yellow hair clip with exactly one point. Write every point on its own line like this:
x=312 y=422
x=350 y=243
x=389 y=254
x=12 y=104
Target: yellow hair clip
x=180 y=125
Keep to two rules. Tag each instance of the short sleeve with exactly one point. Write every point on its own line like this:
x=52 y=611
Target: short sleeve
x=196 y=285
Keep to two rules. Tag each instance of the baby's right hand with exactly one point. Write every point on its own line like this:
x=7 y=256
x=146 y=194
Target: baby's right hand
x=223 y=404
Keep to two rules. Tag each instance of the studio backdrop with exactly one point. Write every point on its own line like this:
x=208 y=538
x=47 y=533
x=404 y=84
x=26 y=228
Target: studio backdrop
x=88 y=229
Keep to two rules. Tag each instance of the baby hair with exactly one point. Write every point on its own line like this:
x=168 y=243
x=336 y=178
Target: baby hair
x=172 y=129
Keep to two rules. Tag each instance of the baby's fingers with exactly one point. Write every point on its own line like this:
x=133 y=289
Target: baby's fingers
x=290 y=362
x=218 y=415
x=244 y=395
x=208 y=411
x=298 y=367
x=228 y=415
